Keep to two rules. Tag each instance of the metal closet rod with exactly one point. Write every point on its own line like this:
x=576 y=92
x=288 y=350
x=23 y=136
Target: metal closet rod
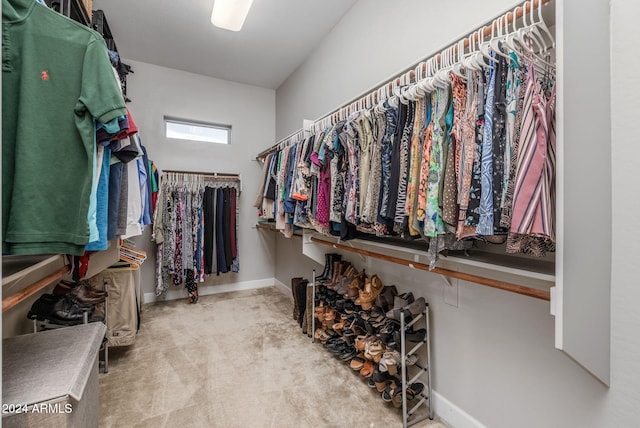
x=502 y=285
x=508 y=17
x=204 y=174
x=22 y=295
x=276 y=146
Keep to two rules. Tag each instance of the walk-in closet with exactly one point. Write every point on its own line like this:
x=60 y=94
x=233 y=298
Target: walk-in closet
x=337 y=213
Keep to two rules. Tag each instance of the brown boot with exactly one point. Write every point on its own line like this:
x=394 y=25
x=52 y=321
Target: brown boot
x=339 y=273
x=296 y=308
x=334 y=272
x=309 y=311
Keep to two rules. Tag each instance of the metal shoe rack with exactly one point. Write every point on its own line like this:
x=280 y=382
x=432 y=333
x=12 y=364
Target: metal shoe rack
x=420 y=371
x=39 y=325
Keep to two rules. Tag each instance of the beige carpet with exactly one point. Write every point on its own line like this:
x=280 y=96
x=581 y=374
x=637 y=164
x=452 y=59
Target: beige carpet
x=234 y=360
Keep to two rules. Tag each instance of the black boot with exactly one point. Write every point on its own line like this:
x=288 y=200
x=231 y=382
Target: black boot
x=330 y=259
x=296 y=307
x=301 y=290
x=327 y=263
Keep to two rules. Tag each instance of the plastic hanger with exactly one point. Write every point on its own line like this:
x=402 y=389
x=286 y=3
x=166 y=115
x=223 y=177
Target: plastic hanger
x=485 y=50
x=458 y=68
x=467 y=59
x=496 y=39
x=393 y=99
x=544 y=27
x=427 y=84
x=511 y=36
x=476 y=60
x=402 y=90
x=441 y=78
x=536 y=26
x=418 y=92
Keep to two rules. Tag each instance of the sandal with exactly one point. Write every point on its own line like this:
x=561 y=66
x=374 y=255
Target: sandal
x=389 y=362
x=361 y=342
x=348 y=354
x=414 y=390
x=357 y=363
x=338 y=327
x=392 y=390
x=381 y=380
x=367 y=369
x=374 y=350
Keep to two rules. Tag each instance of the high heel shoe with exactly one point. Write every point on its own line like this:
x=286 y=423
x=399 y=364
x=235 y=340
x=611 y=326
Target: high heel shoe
x=372 y=288
x=356 y=285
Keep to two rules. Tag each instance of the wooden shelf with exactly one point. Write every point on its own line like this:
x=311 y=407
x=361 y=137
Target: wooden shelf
x=267 y=225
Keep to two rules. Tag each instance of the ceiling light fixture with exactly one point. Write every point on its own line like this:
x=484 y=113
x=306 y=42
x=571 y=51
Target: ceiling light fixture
x=230 y=14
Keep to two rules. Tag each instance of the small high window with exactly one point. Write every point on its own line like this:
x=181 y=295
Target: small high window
x=184 y=129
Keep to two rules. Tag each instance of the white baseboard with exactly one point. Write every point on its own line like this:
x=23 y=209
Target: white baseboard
x=453 y=415
x=204 y=290
x=283 y=288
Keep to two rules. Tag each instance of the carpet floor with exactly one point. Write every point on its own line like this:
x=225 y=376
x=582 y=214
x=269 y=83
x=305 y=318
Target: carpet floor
x=234 y=360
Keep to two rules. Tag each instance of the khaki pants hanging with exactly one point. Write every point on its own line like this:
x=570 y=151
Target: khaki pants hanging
x=122 y=316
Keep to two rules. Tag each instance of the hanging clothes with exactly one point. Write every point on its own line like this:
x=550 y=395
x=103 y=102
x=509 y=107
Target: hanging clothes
x=64 y=103
x=471 y=158
x=532 y=226
x=195 y=227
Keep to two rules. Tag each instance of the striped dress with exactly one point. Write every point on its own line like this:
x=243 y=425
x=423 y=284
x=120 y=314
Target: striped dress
x=532 y=200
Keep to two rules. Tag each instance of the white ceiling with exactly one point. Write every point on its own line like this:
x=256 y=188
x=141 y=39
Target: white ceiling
x=276 y=38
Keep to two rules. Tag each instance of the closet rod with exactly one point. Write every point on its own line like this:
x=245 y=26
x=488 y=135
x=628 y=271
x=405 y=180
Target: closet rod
x=502 y=285
x=204 y=174
x=395 y=79
x=14 y=299
x=276 y=146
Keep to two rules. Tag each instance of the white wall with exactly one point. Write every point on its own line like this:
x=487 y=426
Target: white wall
x=624 y=398
x=158 y=91
x=494 y=354
x=366 y=47
x=290 y=249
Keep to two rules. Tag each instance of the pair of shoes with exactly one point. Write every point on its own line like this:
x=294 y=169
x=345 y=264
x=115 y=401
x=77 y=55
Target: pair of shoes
x=374 y=349
x=385 y=299
x=412 y=309
x=324 y=335
x=368 y=368
x=389 y=362
x=357 y=362
x=340 y=269
x=82 y=291
x=411 y=335
x=356 y=286
x=63 y=310
x=342 y=283
x=393 y=392
x=329 y=262
x=372 y=288
x=381 y=380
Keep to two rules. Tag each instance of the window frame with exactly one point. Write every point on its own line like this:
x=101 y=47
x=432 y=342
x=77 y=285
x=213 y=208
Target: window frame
x=198 y=123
